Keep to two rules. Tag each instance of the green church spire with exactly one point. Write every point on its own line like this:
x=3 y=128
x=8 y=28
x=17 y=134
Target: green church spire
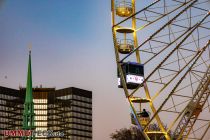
x=29 y=97
x=28 y=113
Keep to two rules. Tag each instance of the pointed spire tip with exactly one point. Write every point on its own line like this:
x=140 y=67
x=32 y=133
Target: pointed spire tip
x=30 y=48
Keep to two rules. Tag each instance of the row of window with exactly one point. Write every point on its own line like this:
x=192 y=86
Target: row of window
x=4 y=96
x=79 y=115
x=79 y=109
x=40 y=106
x=82 y=104
x=40 y=100
x=69 y=109
x=9 y=108
x=72 y=120
x=82 y=98
x=9 y=121
x=81 y=127
x=67 y=97
x=37 y=106
x=2 y=102
x=14 y=114
x=40 y=123
x=81 y=133
x=79 y=138
x=10 y=103
x=40 y=118
x=81 y=121
x=40 y=112
x=68 y=121
x=73 y=108
x=54 y=128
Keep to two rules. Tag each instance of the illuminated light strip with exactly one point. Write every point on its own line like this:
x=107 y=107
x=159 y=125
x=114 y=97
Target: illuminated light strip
x=142 y=27
x=121 y=27
x=156 y=132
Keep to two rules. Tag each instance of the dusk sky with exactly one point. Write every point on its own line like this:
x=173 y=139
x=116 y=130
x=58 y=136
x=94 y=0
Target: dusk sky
x=72 y=46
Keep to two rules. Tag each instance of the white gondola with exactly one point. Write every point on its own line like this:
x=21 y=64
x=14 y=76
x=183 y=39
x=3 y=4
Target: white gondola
x=133 y=74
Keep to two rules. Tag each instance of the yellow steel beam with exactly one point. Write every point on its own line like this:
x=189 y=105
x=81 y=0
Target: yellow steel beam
x=120 y=68
x=205 y=131
x=134 y=33
x=194 y=108
x=160 y=124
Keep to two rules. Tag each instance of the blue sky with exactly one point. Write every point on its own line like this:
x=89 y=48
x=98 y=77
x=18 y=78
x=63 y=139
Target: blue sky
x=71 y=46
x=62 y=33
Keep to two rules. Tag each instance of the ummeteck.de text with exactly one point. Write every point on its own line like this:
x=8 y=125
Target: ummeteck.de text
x=27 y=133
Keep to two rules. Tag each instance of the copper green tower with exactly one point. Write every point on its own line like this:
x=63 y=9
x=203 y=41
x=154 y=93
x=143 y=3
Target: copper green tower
x=28 y=113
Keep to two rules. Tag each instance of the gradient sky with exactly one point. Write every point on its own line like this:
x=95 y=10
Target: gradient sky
x=72 y=45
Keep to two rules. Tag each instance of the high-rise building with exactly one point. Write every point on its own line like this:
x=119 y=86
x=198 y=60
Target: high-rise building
x=70 y=111
x=66 y=110
x=60 y=114
x=11 y=109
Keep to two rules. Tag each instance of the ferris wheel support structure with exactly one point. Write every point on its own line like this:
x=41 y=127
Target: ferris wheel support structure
x=138 y=60
x=175 y=13
x=194 y=108
x=198 y=55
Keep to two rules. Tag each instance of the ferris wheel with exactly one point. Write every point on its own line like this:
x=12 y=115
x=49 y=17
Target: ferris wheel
x=163 y=56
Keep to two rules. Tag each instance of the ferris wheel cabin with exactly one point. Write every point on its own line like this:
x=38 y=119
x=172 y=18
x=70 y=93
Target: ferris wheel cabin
x=144 y=120
x=133 y=74
x=143 y=116
x=125 y=45
x=124 y=9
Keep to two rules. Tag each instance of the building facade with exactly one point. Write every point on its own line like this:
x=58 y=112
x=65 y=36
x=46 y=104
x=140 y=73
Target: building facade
x=11 y=109
x=66 y=110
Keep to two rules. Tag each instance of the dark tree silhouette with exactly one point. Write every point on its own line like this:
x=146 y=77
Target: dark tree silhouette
x=127 y=134
x=133 y=133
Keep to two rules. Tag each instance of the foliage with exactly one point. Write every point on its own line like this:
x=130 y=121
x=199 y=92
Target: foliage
x=133 y=133
x=127 y=134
